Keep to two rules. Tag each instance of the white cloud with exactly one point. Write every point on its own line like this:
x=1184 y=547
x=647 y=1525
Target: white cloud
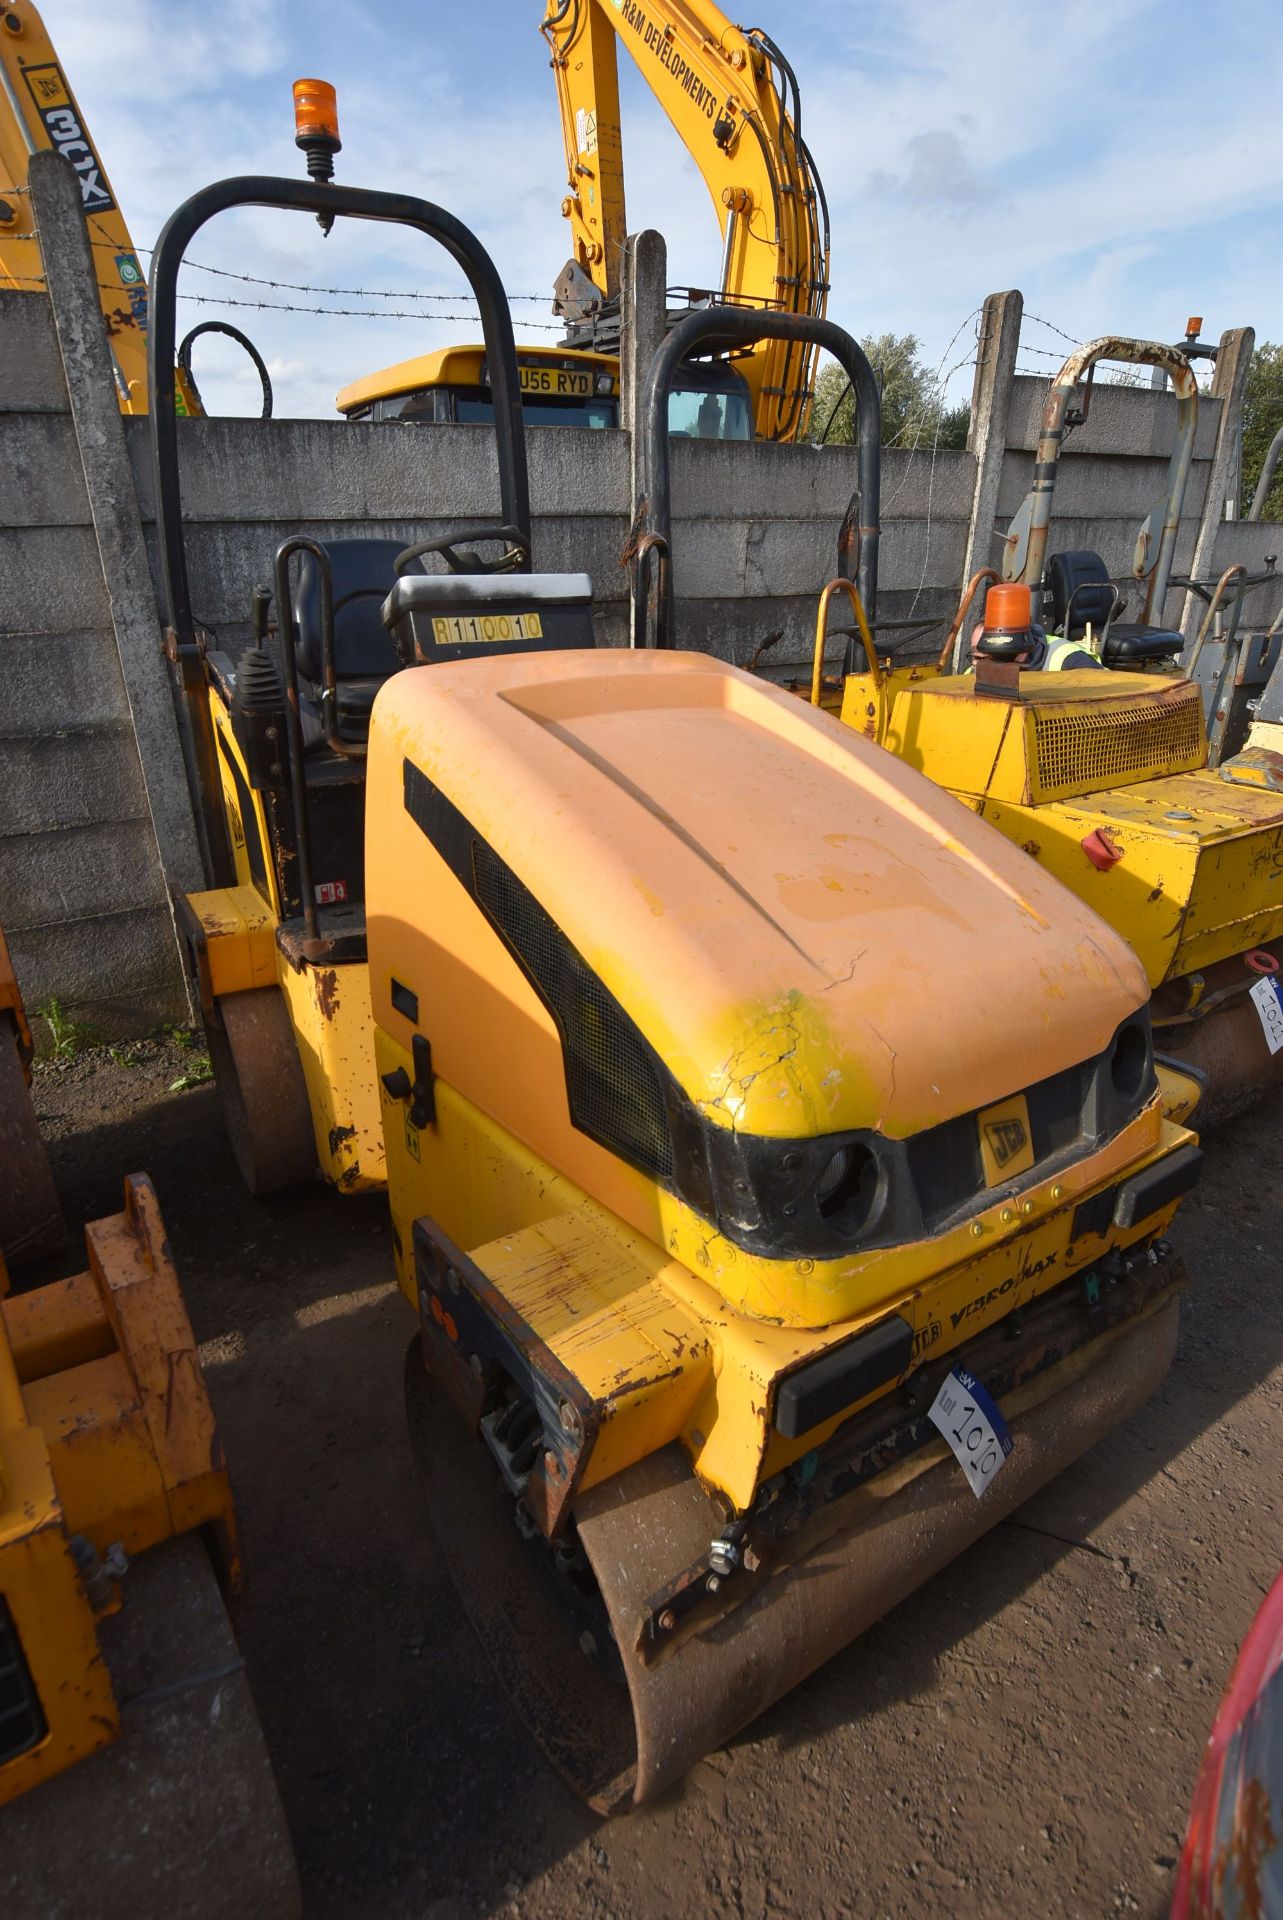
x=1113 y=158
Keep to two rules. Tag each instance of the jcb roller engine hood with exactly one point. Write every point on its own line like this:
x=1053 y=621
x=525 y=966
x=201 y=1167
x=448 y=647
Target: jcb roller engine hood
x=679 y=932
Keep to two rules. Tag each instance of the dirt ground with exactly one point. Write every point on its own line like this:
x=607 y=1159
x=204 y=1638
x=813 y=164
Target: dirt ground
x=1019 y=1738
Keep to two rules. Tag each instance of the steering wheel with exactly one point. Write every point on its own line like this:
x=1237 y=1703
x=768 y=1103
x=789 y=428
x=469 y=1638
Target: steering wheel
x=515 y=558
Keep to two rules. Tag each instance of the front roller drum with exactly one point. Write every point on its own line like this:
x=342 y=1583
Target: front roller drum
x=622 y=1744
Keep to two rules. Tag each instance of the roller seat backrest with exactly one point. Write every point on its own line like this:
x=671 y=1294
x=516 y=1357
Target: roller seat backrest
x=363 y=572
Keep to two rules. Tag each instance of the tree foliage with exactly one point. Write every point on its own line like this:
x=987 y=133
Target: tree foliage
x=1262 y=418
x=913 y=410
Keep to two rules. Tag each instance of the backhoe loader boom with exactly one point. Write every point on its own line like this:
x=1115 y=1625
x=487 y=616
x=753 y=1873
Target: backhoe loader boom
x=734 y=101
x=38 y=110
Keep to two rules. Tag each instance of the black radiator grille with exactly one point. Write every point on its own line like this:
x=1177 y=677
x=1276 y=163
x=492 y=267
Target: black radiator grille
x=614 y=1082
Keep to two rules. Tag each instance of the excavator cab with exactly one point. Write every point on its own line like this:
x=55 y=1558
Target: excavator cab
x=277 y=735
x=1104 y=778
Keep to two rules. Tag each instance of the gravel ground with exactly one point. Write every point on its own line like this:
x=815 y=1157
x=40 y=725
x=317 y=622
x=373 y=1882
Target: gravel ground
x=1020 y=1737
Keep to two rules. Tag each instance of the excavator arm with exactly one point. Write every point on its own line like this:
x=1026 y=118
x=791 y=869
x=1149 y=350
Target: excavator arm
x=733 y=99
x=39 y=110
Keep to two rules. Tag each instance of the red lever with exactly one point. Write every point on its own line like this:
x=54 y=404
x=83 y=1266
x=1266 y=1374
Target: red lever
x=1101 y=849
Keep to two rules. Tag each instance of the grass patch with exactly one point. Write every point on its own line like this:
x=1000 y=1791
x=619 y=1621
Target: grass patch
x=65 y=1036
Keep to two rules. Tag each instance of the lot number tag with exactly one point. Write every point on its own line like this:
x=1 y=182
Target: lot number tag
x=971 y=1423
x=1269 y=1007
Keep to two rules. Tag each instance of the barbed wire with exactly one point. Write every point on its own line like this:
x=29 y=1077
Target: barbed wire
x=935 y=448
x=278 y=306
x=106 y=243
x=1053 y=328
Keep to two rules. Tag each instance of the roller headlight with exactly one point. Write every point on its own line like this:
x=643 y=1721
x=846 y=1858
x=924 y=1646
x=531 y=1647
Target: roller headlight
x=1129 y=1061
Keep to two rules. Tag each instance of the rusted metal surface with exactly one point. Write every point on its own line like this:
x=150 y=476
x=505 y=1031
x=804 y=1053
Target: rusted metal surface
x=1235 y=572
x=644 y=1528
x=946 y=661
x=804 y=1509
x=1229 y=1047
x=474 y=1341
x=1056 y=422
x=718 y=1682
x=1207 y=1023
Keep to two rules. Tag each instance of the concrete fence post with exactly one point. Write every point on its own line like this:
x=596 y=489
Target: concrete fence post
x=643 y=321
x=1233 y=359
x=71 y=279
x=990 y=409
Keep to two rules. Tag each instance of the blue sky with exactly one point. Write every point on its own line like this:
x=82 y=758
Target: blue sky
x=1120 y=161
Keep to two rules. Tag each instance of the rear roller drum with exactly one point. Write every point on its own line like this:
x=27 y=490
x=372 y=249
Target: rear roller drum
x=260 y=1078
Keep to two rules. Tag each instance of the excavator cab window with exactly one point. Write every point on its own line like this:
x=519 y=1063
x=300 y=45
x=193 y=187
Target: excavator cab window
x=705 y=404
x=710 y=403
x=477 y=409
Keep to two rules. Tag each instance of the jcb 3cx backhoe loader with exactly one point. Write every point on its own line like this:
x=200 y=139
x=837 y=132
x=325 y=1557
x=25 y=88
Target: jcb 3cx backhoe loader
x=1101 y=776
x=134 y=1779
x=710 y=1178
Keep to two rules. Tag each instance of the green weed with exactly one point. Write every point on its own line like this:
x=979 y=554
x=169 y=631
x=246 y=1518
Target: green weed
x=185 y=1037
x=65 y=1035
x=200 y=1070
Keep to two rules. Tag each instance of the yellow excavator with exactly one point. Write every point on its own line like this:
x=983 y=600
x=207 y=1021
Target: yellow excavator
x=760 y=1258
x=733 y=99
x=131 y=1758
x=1100 y=776
x=38 y=111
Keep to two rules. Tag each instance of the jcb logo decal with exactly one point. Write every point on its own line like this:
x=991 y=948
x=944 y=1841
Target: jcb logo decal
x=67 y=136
x=1006 y=1138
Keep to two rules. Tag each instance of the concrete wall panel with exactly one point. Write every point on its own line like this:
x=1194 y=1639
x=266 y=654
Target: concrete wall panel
x=50 y=681
x=31 y=378
x=1128 y=420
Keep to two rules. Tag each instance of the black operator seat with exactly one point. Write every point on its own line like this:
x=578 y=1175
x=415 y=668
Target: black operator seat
x=364 y=653
x=433 y=617
x=1081 y=578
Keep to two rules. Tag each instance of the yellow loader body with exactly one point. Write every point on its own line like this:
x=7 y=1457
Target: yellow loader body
x=1103 y=779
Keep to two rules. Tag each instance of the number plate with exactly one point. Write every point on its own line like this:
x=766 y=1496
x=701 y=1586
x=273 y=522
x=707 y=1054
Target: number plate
x=486 y=629
x=1006 y=1144
x=555 y=380
x=1268 y=998
x=969 y=1419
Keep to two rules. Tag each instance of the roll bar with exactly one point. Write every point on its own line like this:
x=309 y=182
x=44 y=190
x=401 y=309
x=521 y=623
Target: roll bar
x=1025 y=549
x=184 y=647
x=745 y=327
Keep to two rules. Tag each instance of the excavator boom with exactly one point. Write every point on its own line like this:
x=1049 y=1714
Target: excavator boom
x=38 y=110
x=733 y=99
